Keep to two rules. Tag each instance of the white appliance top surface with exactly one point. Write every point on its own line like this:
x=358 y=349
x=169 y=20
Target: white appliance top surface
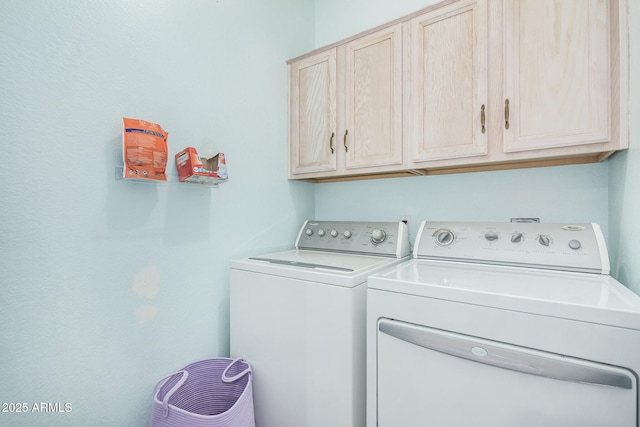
x=586 y=297
x=341 y=269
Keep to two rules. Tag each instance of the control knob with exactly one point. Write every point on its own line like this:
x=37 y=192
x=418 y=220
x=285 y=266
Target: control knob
x=517 y=237
x=308 y=232
x=320 y=232
x=347 y=234
x=491 y=236
x=378 y=236
x=575 y=244
x=444 y=237
x=544 y=240
x=334 y=233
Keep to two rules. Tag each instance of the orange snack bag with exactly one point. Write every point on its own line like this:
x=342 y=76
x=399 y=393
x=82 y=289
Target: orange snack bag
x=144 y=148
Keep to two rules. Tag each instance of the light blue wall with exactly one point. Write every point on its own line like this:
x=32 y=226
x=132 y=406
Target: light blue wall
x=105 y=285
x=109 y=285
x=624 y=177
x=558 y=194
x=339 y=19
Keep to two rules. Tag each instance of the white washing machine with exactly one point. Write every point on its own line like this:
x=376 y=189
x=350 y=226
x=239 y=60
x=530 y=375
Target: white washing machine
x=299 y=318
x=503 y=324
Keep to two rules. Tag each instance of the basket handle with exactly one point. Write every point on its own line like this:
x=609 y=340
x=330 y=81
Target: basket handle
x=165 y=401
x=227 y=379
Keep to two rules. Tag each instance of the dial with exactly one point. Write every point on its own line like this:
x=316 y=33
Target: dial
x=491 y=236
x=334 y=233
x=544 y=240
x=308 y=232
x=575 y=244
x=444 y=237
x=517 y=237
x=321 y=233
x=378 y=236
x=346 y=234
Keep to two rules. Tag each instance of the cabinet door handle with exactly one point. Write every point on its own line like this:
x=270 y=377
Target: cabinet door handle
x=331 y=141
x=345 y=140
x=482 y=118
x=506 y=113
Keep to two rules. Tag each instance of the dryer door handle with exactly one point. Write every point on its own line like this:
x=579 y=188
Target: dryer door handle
x=506 y=356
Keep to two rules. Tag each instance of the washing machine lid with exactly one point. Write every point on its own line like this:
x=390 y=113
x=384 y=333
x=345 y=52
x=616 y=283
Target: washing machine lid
x=333 y=268
x=585 y=297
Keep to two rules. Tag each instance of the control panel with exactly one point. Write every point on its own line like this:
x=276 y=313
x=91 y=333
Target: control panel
x=569 y=247
x=374 y=238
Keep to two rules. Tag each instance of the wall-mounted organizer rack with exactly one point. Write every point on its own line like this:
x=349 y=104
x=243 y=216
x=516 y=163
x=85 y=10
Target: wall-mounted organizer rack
x=171 y=179
x=145 y=152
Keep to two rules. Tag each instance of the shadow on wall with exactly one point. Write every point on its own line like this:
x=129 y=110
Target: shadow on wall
x=149 y=209
x=617 y=183
x=129 y=205
x=192 y=202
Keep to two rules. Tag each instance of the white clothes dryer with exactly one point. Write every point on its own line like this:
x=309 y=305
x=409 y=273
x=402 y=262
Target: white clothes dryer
x=299 y=318
x=503 y=324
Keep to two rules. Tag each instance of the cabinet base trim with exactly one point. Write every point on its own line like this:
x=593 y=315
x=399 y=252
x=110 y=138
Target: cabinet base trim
x=592 y=158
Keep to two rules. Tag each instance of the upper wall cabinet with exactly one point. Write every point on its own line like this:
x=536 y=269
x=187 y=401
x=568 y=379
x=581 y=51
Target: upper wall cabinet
x=446 y=67
x=372 y=127
x=557 y=80
x=484 y=84
x=312 y=114
x=358 y=131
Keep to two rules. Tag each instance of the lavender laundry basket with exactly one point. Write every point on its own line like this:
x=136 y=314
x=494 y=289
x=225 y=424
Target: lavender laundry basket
x=209 y=393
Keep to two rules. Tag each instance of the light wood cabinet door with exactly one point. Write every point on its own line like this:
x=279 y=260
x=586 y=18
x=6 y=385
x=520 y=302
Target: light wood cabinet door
x=371 y=135
x=312 y=114
x=556 y=73
x=447 y=58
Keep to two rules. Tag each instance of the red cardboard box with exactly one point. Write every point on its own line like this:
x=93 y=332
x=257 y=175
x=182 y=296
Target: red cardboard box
x=192 y=168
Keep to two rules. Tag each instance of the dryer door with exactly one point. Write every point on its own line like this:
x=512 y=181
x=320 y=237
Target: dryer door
x=432 y=377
